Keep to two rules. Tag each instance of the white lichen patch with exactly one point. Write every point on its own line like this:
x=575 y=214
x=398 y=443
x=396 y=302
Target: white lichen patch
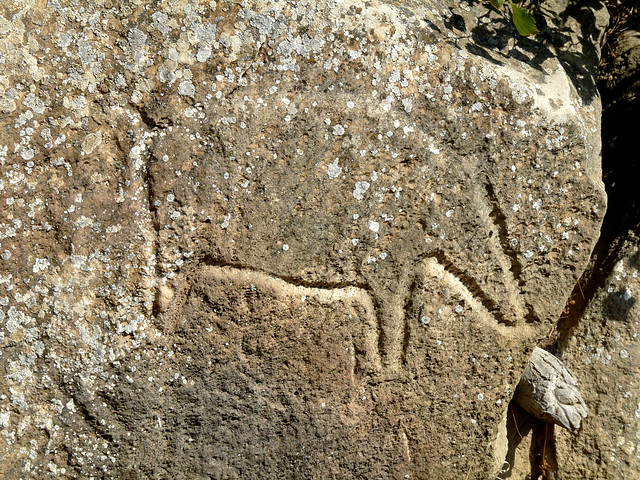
x=360 y=189
x=334 y=170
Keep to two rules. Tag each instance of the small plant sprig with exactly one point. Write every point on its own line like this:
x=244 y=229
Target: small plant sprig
x=522 y=18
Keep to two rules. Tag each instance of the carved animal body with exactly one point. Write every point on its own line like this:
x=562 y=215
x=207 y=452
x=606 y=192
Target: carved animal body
x=550 y=392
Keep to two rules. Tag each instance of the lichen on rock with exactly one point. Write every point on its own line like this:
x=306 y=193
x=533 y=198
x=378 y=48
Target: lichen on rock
x=277 y=238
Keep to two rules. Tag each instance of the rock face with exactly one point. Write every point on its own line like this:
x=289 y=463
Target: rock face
x=605 y=349
x=604 y=344
x=279 y=239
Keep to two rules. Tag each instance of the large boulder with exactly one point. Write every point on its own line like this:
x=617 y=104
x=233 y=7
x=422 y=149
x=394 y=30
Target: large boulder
x=280 y=239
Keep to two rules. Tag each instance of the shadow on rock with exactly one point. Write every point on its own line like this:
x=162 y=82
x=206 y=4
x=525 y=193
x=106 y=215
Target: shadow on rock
x=571 y=34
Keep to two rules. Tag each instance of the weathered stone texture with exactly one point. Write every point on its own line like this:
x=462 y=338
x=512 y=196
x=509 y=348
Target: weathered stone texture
x=604 y=344
x=277 y=239
x=550 y=392
x=605 y=349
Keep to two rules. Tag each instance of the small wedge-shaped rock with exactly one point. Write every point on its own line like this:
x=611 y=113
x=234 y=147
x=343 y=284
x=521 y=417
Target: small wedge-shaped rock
x=549 y=391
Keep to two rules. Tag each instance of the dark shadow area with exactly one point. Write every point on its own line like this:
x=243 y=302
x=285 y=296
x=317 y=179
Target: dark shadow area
x=579 y=56
x=432 y=25
x=577 y=51
x=617 y=307
x=481 y=52
x=520 y=425
x=634 y=261
x=620 y=158
x=542 y=459
x=542 y=455
x=491 y=38
x=619 y=85
x=456 y=22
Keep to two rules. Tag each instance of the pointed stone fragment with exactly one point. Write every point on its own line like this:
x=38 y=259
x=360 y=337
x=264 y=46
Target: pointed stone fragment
x=550 y=392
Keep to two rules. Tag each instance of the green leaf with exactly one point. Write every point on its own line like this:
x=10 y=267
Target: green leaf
x=524 y=21
x=497 y=4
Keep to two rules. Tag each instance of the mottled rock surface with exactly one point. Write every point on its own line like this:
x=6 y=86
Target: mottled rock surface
x=603 y=344
x=279 y=239
x=605 y=349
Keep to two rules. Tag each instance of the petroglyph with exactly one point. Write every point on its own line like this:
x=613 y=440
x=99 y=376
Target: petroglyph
x=380 y=331
x=247 y=297
x=340 y=217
